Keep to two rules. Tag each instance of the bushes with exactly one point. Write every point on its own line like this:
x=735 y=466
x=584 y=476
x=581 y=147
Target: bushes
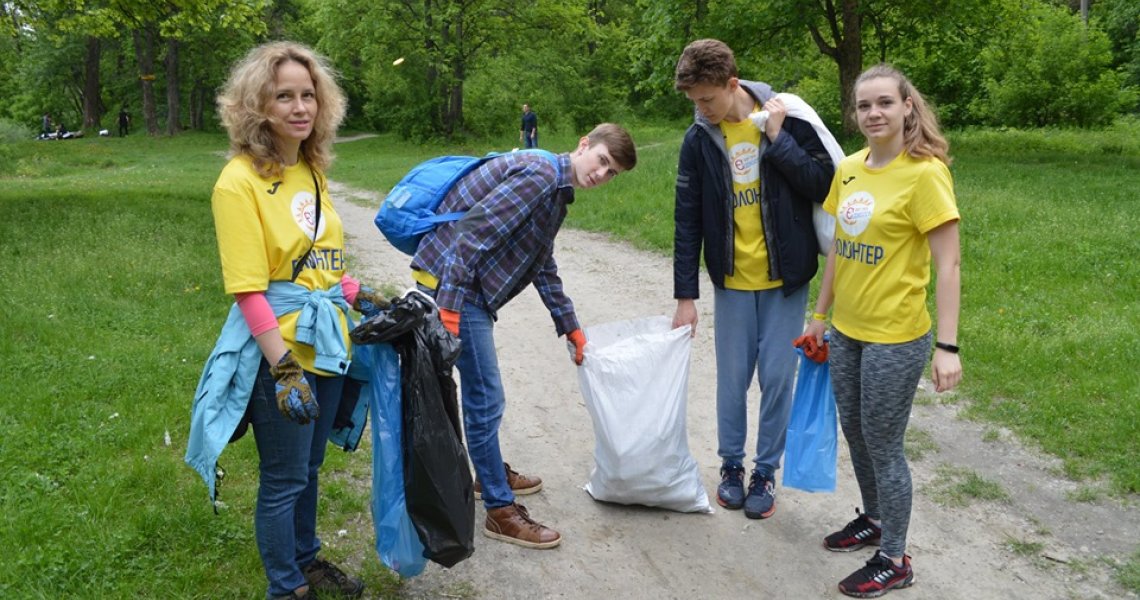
x=1055 y=72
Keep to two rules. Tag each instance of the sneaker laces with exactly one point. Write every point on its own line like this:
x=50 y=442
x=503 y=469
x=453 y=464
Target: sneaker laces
x=732 y=471
x=876 y=565
x=760 y=480
x=859 y=523
x=525 y=514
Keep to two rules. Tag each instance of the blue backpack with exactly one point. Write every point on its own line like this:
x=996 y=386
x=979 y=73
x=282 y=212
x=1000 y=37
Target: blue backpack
x=408 y=211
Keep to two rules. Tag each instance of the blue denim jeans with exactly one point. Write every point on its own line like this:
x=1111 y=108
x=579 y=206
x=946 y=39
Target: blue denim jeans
x=754 y=332
x=531 y=143
x=481 y=391
x=481 y=386
x=285 y=521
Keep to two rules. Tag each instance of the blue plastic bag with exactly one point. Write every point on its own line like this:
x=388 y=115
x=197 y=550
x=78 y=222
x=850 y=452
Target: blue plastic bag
x=397 y=543
x=810 y=451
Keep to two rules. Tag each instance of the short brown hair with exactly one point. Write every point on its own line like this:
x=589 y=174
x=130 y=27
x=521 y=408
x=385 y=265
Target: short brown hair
x=617 y=141
x=704 y=61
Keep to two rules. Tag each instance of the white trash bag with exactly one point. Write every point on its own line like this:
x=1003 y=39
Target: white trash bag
x=635 y=378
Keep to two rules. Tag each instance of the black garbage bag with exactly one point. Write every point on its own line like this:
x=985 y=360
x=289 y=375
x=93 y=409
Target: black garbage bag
x=397 y=319
x=438 y=488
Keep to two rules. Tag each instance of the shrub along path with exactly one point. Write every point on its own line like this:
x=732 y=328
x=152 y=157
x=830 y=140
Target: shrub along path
x=991 y=518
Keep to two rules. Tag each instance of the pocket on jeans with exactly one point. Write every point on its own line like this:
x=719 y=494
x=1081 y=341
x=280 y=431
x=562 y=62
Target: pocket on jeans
x=257 y=394
x=263 y=398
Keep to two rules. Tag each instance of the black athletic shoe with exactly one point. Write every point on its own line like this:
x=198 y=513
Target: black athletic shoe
x=878 y=577
x=326 y=578
x=858 y=533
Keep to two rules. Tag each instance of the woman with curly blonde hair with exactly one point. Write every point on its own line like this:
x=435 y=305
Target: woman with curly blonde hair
x=282 y=256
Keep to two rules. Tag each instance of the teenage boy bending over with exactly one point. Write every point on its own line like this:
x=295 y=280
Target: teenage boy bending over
x=515 y=205
x=745 y=195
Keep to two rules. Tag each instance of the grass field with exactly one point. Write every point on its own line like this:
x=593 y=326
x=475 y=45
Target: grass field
x=113 y=300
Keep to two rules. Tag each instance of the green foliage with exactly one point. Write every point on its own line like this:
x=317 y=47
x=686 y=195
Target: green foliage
x=1054 y=72
x=1120 y=20
x=11 y=131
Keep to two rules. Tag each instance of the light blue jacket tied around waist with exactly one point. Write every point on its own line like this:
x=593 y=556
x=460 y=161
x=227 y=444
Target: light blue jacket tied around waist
x=228 y=377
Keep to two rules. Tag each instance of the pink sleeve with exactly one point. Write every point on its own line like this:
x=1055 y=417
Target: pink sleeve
x=257 y=312
x=350 y=287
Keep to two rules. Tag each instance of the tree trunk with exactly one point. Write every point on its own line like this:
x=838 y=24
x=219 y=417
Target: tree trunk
x=92 y=95
x=173 y=95
x=847 y=52
x=198 y=95
x=144 y=55
x=700 y=10
x=850 y=61
x=454 y=88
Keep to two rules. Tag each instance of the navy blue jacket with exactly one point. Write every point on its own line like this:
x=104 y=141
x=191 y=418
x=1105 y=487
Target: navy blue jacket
x=795 y=171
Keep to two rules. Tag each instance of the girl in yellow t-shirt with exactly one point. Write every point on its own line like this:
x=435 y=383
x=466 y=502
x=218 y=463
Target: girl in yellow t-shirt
x=896 y=213
x=281 y=107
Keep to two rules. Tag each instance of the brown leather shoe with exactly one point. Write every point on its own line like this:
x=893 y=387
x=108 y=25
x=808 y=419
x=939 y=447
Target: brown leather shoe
x=512 y=523
x=520 y=484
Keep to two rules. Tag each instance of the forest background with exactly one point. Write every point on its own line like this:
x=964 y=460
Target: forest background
x=468 y=65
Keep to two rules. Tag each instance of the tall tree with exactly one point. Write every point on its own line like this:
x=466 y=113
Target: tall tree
x=92 y=88
x=439 y=39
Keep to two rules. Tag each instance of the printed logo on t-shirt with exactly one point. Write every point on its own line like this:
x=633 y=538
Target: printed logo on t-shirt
x=855 y=212
x=745 y=163
x=304 y=210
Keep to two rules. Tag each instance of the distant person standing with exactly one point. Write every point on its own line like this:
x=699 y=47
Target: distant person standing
x=124 y=122
x=528 y=133
x=45 y=125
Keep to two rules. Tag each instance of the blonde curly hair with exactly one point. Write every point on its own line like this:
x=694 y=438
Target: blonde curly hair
x=244 y=101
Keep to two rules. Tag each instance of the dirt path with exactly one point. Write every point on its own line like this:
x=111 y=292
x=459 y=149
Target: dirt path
x=1036 y=544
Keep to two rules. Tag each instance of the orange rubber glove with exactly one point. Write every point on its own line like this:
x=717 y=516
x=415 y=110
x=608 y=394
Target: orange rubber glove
x=450 y=320
x=577 y=338
x=811 y=349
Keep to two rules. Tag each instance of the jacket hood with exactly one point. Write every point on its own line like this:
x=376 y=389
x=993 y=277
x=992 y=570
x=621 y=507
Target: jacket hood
x=759 y=90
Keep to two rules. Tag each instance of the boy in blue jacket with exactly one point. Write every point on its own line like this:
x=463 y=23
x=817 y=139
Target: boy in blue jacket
x=744 y=194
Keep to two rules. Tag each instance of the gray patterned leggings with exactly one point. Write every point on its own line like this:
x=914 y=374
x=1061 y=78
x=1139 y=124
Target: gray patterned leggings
x=874 y=389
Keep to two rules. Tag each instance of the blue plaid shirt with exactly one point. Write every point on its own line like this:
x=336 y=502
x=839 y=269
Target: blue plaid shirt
x=515 y=206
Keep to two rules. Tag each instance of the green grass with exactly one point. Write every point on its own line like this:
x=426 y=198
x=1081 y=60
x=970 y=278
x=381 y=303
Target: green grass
x=918 y=443
x=1128 y=573
x=1024 y=548
x=113 y=299
x=1050 y=282
x=959 y=487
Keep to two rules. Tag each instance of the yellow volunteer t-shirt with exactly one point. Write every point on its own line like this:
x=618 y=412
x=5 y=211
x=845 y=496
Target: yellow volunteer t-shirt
x=751 y=255
x=264 y=225
x=882 y=258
